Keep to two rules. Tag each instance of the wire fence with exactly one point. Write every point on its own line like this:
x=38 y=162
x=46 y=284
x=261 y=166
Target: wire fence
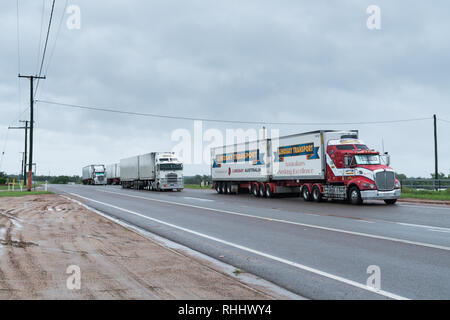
x=426 y=184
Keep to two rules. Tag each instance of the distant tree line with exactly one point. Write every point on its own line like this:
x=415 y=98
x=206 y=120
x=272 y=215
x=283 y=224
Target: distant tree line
x=197 y=179
x=4 y=178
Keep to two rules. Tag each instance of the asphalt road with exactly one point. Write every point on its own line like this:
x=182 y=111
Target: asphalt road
x=317 y=250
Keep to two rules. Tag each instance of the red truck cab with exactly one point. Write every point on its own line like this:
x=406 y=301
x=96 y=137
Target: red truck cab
x=365 y=173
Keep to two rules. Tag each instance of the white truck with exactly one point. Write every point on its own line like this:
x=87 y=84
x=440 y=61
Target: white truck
x=94 y=174
x=152 y=171
x=113 y=173
x=317 y=165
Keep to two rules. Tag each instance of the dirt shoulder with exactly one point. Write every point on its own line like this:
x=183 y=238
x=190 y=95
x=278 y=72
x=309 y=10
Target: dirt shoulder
x=41 y=236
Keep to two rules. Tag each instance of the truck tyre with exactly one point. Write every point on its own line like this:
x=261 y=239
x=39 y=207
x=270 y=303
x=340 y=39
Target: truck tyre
x=217 y=187
x=223 y=188
x=229 y=188
x=262 y=190
x=354 y=196
x=255 y=190
x=390 y=201
x=316 y=194
x=306 y=194
x=269 y=192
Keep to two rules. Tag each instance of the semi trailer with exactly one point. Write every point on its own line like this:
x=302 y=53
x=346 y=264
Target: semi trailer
x=318 y=165
x=113 y=173
x=152 y=171
x=94 y=174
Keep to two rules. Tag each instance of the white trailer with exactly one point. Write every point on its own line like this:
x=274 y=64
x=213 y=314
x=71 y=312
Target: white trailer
x=152 y=171
x=323 y=164
x=113 y=173
x=94 y=174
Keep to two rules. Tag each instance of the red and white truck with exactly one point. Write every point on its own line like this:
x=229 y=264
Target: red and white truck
x=317 y=165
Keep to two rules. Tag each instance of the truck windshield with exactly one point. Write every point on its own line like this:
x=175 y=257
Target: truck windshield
x=367 y=159
x=170 y=166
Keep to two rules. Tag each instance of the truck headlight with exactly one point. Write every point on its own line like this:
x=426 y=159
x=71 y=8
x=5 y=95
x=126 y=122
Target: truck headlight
x=368 y=185
x=397 y=184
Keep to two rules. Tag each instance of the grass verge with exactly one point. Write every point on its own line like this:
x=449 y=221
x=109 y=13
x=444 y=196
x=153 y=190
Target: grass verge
x=22 y=194
x=196 y=186
x=426 y=194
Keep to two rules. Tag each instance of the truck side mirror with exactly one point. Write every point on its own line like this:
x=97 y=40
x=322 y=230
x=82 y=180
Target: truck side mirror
x=348 y=161
x=387 y=158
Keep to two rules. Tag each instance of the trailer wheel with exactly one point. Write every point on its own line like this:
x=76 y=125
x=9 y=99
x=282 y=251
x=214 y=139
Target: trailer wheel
x=306 y=194
x=255 y=190
x=223 y=188
x=316 y=194
x=262 y=190
x=355 y=196
x=269 y=192
x=217 y=187
x=390 y=201
x=228 y=186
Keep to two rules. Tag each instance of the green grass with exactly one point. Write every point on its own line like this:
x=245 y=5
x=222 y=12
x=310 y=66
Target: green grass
x=426 y=194
x=17 y=186
x=196 y=186
x=22 y=194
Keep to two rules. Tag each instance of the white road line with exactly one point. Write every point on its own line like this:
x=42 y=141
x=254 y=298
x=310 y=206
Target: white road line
x=423 y=226
x=367 y=235
x=266 y=255
x=418 y=206
x=436 y=230
x=200 y=199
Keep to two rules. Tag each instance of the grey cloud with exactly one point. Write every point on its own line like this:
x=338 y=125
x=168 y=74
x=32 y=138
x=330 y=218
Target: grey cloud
x=257 y=60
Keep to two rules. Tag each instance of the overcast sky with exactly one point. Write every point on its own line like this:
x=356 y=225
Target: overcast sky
x=258 y=60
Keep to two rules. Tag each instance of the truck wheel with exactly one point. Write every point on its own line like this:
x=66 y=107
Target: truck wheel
x=316 y=194
x=229 y=188
x=217 y=187
x=306 y=195
x=255 y=190
x=223 y=188
x=269 y=192
x=262 y=190
x=355 y=196
x=390 y=201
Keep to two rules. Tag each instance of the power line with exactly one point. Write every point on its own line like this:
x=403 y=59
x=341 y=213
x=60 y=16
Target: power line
x=93 y=108
x=18 y=53
x=443 y=120
x=56 y=40
x=18 y=35
x=40 y=35
x=45 y=46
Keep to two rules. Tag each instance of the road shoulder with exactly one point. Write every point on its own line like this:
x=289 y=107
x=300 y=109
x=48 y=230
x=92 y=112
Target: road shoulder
x=45 y=238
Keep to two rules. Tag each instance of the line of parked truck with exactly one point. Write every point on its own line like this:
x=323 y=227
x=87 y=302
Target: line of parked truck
x=318 y=165
x=152 y=171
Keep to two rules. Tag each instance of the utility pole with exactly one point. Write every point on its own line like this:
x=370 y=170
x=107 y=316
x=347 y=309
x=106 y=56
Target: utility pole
x=436 y=169
x=24 y=166
x=30 y=163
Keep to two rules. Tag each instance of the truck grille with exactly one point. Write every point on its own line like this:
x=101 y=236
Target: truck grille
x=172 y=178
x=385 y=180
